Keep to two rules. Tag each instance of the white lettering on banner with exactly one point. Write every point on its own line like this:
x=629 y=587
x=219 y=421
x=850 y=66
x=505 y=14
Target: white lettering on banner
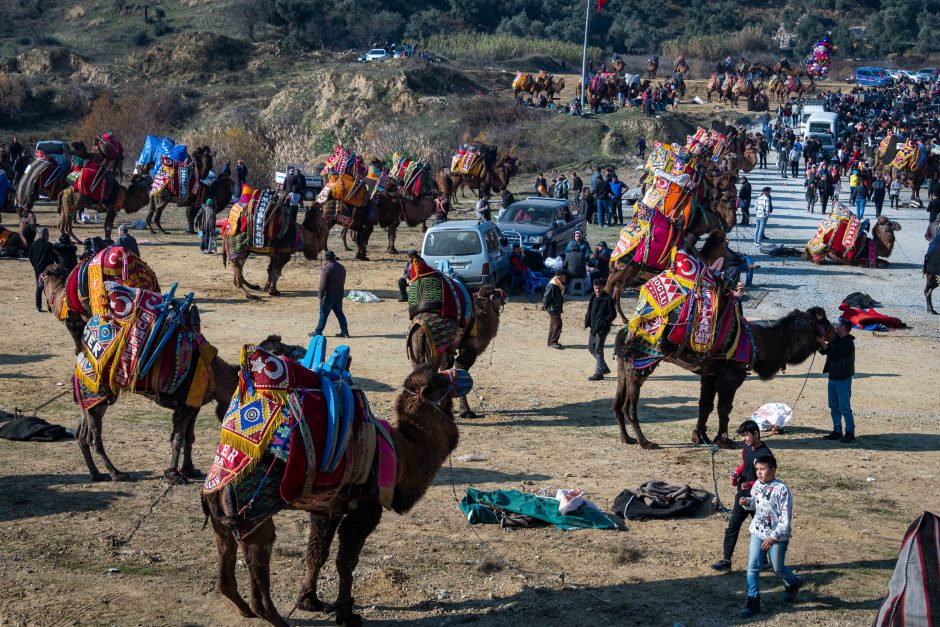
x=260 y=211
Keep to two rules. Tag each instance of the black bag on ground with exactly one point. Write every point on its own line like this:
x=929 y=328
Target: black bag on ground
x=31 y=428
x=657 y=499
x=860 y=300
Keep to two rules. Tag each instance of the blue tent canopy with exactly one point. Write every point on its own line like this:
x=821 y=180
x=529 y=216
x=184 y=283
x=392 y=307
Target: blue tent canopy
x=156 y=147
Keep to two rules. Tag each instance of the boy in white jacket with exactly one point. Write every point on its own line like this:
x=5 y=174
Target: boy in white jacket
x=770 y=533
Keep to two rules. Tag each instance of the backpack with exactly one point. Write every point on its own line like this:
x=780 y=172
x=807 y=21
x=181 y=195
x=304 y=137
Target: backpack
x=913 y=598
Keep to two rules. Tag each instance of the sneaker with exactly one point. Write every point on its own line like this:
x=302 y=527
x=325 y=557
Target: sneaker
x=833 y=435
x=722 y=565
x=596 y=377
x=342 y=334
x=848 y=438
x=38 y=310
x=789 y=592
x=555 y=345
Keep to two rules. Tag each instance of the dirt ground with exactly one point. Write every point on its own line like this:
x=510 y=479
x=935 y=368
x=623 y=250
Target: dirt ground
x=545 y=426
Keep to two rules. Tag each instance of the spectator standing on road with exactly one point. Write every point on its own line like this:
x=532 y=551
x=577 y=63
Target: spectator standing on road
x=762 y=148
x=616 y=198
x=553 y=302
x=541 y=185
x=824 y=187
x=878 y=189
x=782 y=159
x=41 y=255
x=576 y=186
x=600 y=313
x=641 y=147
x=743 y=479
x=895 y=193
x=562 y=188
x=762 y=210
x=840 y=365
x=744 y=201
x=810 y=184
x=126 y=241
x=331 y=289
x=601 y=191
x=794 y=157
x=861 y=198
x=933 y=208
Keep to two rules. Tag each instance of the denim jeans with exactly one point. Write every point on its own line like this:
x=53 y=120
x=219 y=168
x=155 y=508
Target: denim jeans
x=759 y=229
x=840 y=404
x=335 y=304
x=755 y=561
x=603 y=211
x=860 y=202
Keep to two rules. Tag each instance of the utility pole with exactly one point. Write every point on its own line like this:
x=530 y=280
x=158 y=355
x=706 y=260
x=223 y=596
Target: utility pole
x=587 y=19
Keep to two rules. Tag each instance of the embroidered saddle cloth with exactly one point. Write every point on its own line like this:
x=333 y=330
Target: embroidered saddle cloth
x=85 y=292
x=286 y=441
x=648 y=240
x=136 y=346
x=175 y=178
x=261 y=222
x=839 y=235
x=523 y=81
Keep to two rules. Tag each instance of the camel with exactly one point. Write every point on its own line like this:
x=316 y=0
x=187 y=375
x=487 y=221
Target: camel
x=721 y=87
x=313 y=234
x=38 y=180
x=915 y=179
x=882 y=237
x=652 y=66
x=554 y=88
x=424 y=434
x=132 y=198
x=16 y=243
x=487 y=304
x=393 y=208
x=788 y=341
x=495 y=178
x=220 y=190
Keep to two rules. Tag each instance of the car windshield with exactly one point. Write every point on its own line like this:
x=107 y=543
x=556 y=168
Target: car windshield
x=529 y=215
x=377 y=51
x=458 y=243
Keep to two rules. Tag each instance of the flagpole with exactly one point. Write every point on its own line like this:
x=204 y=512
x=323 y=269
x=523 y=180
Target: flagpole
x=587 y=18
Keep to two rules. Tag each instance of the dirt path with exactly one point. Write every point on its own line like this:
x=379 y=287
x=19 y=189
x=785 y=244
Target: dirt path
x=544 y=426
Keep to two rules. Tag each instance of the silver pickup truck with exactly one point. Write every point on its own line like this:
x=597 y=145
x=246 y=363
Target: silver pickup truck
x=314 y=181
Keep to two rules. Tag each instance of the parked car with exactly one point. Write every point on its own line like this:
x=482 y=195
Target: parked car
x=873 y=77
x=53 y=148
x=376 y=54
x=928 y=74
x=827 y=144
x=314 y=181
x=911 y=77
x=476 y=251
x=545 y=225
x=402 y=51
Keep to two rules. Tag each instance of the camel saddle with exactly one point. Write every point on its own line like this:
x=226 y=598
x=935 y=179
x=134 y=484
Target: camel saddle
x=95 y=183
x=523 y=81
x=412 y=177
x=686 y=315
x=840 y=236
x=648 y=240
x=85 y=292
x=292 y=438
x=144 y=343
x=261 y=222
x=177 y=179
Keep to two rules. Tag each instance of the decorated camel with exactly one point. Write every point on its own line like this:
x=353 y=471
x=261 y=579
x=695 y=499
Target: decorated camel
x=142 y=342
x=687 y=316
x=345 y=198
x=16 y=243
x=652 y=66
x=910 y=161
x=263 y=223
x=72 y=297
x=47 y=175
x=130 y=199
x=187 y=184
x=294 y=459
x=477 y=167
x=688 y=193
x=406 y=193
x=721 y=84
x=841 y=238
x=449 y=326
x=554 y=88
x=534 y=84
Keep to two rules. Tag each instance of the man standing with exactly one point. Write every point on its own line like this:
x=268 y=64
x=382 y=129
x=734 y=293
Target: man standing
x=205 y=222
x=553 y=302
x=601 y=190
x=878 y=190
x=824 y=186
x=332 y=287
x=600 y=313
x=762 y=211
x=126 y=241
x=744 y=201
x=41 y=255
x=641 y=147
x=576 y=185
x=794 y=157
x=616 y=197
x=743 y=479
x=840 y=364
x=762 y=147
x=241 y=175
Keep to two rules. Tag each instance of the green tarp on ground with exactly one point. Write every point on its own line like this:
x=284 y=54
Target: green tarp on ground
x=478 y=506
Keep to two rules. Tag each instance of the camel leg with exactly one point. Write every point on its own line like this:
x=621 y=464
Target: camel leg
x=343 y=235
x=706 y=403
x=353 y=531
x=225 y=583
x=633 y=415
x=275 y=266
x=189 y=470
x=93 y=419
x=238 y=277
x=322 y=530
x=624 y=388
x=257 y=550
x=109 y=217
x=182 y=416
x=85 y=438
x=928 y=293
x=392 y=236
x=362 y=241
x=159 y=216
x=151 y=212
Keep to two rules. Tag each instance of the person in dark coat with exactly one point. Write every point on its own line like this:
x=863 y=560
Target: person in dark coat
x=600 y=313
x=879 y=188
x=127 y=241
x=553 y=302
x=241 y=174
x=599 y=262
x=840 y=364
x=66 y=253
x=932 y=263
x=331 y=290
x=744 y=201
x=41 y=256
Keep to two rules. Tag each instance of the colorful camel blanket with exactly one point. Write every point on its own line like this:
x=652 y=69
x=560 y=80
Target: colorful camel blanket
x=523 y=81
x=648 y=240
x=413 y=177
x=686 y=314
x=473 y=160
x=282 y=445
x=346 y=189
x=670 y=195
x=429 y=290
x=93 y=182
x=177 y=179
x=344 y=161
x=260 y=222
x=910 y=157
x=839 y=235
x=85 y=292
x=134 y=347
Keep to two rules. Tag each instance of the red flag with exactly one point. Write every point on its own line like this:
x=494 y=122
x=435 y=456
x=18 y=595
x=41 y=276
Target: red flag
x=600 y=4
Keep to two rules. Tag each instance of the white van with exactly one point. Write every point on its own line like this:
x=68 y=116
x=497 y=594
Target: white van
x=822 y=122
x=809 y=108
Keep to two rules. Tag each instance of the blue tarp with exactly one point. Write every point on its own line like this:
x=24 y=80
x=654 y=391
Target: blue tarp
x=156 y=147
x=483 y=508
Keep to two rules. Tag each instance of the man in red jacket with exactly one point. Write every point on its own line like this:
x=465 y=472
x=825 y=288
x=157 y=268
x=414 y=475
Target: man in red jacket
x=743 y=478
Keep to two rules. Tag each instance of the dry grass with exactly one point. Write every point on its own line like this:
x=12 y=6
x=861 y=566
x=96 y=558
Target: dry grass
x=749 y=41
x=76 y=12
x=481 y=47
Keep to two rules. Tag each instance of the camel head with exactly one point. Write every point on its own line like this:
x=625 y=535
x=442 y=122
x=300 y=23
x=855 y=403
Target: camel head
x=790 y=340
x=53 y=285
x=715 y=246
x=314 y=232
x=510 y=166
x=494 y=295
x=883 y=234
x=273 y=344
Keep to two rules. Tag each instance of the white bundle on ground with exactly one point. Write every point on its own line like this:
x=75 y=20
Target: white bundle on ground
x=772 y=415
x=357 y=296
